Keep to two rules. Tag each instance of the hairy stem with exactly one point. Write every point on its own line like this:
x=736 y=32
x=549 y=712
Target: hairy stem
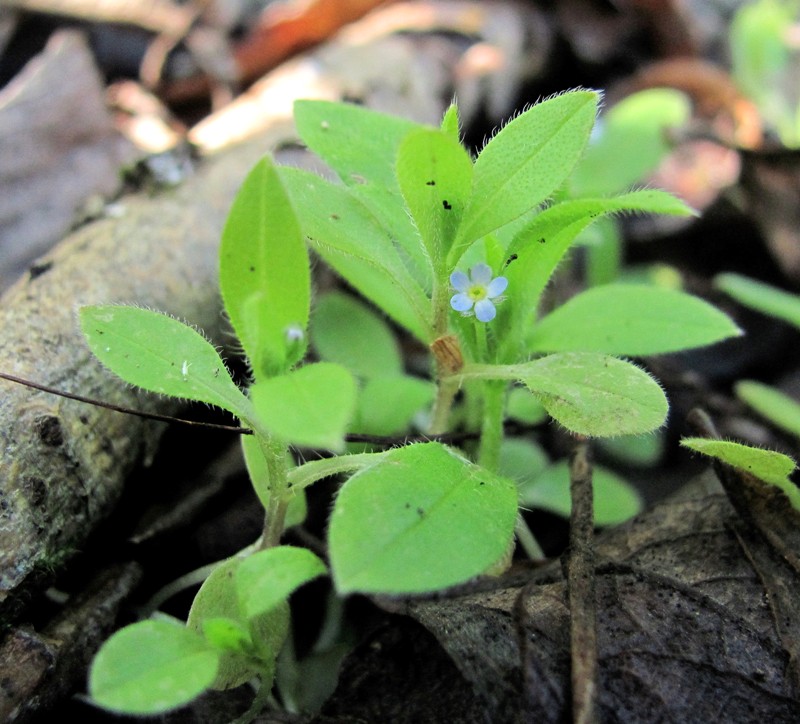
x=275 y=457
x=492 y=424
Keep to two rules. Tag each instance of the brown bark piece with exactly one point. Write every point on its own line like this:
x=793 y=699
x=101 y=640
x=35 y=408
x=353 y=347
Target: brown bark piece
x=684 y=629
x=58 y=147
x=37 y=670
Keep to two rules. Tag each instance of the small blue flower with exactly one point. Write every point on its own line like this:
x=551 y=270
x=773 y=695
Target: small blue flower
x=478 y=290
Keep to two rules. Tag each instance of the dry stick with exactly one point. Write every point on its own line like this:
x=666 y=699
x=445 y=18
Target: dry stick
x=582 y=589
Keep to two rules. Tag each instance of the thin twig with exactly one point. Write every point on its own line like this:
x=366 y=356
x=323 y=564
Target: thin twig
x=382 y=440
x=582 y=589
x=125 y=410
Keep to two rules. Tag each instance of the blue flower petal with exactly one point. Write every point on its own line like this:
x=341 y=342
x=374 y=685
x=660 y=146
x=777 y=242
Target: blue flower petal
x=496 y=287
x=459 y=281
x=485 y=311
x=481 y=274
x=461 y=302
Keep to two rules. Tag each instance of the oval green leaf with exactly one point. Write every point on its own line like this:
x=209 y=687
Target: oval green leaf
x=767 y=465
x=347 y=332
x=421 y=519
x=387 y=405
x=633 y=320
x=596 y=395
x=310 y=406
x=615 y=500
x=151 y=667
x=217 y=599
x=160 y=354
x=264 y=272
x=269 y=577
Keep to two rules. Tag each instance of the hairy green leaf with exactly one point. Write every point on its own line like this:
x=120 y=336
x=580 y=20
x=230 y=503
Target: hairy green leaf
x=435 y=176
x=421 y=519
x=361 y=145
x=351 y=239
x=309 y=406
x=161 y=354
x=588 y=393
x=217 y=599
x=526 y=161
x=538 y=248
x=631 y=319
x=767 y=465
x=267 y=578
x=151 y=667
x=264 y=273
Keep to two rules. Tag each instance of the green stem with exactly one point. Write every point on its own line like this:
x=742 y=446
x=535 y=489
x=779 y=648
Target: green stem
x=446 y=389
x=492 y=424
x=527 y=540
x=262 y=698
x=277 y=472
x=310 y=472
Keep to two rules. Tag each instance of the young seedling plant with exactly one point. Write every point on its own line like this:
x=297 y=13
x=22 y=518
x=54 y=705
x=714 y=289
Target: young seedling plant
x=456 y=252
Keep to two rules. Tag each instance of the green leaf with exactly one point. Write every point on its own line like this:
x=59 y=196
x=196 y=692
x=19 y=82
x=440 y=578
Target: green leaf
x=309 y=406
x=217 y=599
x=435 y=176
x=161 y=354
x=643 y=451
x=615 y=500
x=387 y=405
x=595 y=395
x=421 y=519
x=352 y=240
x=267 y=578
x=451 y=123
x=346 y=331
x=226 y=634
x=632 y=142
x=521 y=460
x=538 y=248
x=151 y=667
x=588 y=393
x=767 y=465
x=761 y=297
x=631 y=319
x=525 y=162
x=522 y=405
x=774 y=405
x=264 y=272
x=361 y=145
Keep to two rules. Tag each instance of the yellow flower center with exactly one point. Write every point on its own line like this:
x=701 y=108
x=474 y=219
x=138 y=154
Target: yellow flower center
x=477 y=292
